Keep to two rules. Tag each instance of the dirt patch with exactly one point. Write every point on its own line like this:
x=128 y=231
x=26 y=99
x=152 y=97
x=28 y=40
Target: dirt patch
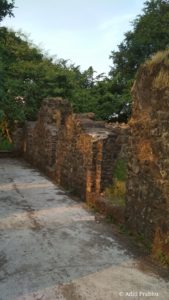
x=69 y=292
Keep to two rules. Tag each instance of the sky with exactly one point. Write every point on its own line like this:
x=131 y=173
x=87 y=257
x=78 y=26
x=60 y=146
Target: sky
x=84 y=31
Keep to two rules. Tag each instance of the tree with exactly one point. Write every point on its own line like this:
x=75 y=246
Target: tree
x=150 y=34
x=6 y=8
x=27 y=76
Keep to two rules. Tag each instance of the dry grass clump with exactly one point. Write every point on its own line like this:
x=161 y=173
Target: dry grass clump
x=159 y=57
x=116 y=193
x=159 y=64
x=161 y=81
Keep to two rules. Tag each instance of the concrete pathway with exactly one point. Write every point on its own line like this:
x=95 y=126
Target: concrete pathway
x=52 y=248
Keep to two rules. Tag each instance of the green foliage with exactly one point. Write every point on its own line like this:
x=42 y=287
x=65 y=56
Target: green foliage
x=27 y=76
x=117 y=192
x=19 y=66
x=120 y=170
x=6 y=8
x=150 y=34
x=162 y=257
x=5 y=144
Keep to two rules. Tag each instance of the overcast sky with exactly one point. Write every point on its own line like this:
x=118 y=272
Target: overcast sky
x=84 y=31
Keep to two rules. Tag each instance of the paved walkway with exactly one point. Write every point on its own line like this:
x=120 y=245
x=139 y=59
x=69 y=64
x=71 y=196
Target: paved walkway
x=52 y=248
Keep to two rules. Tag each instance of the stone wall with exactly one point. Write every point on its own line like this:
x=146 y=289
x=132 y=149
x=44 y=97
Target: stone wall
x=76 y=151
x=80 y=153
x=17 y=140
x=147 y=207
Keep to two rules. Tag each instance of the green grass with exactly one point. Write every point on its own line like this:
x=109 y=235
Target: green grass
x=120 y=170
x=162 y=257
x=5 y=145
x=117 y=192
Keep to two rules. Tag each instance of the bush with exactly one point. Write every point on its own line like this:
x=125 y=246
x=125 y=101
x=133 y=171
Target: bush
x=5 y=145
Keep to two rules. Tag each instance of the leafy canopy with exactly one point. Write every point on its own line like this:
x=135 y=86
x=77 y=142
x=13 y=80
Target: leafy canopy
x=150 y=34
x=27 y=75
x=6 y=8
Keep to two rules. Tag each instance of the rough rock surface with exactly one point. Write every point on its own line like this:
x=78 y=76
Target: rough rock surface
x=147 y=209
x=76 y=151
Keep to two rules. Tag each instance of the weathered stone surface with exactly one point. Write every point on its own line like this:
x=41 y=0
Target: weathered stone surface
x=53 y=249
x=147 y=210
x=76 y=151
x=80 y=153
x=80 y=156
x=40 y=137
x=17 y=139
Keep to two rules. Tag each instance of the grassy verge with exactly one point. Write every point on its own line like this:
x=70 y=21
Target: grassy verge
x=5 y=145
x=116 y=193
